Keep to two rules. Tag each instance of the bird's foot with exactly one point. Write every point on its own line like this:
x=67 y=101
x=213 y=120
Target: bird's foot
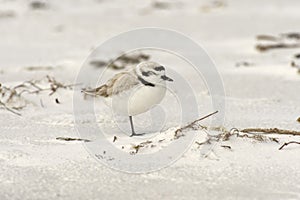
x=136 y=134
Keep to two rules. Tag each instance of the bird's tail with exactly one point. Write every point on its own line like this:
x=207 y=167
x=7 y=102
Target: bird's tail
x=99 y=91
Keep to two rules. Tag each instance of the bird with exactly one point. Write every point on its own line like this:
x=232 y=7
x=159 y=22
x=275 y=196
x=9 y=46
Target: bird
x=135 y=91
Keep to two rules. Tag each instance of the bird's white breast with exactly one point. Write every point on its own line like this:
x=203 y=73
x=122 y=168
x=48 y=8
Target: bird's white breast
x=138 y=99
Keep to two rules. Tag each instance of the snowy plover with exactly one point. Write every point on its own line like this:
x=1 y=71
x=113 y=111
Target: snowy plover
x=136 y=91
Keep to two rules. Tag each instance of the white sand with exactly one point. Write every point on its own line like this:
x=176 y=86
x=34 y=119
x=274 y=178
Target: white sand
x=34 y=165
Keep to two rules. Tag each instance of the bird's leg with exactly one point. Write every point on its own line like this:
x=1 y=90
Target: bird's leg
x=132 y=128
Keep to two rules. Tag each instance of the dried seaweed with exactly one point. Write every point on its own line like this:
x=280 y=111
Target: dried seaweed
x=139 y=146
x=38 y=5
x=267 y=37
x=297 y=56
x=294 y=35
x=266 y=47
x=72 y=139
x=12 y=99
x=9 y=109
x=161 y=5
x=39 y=68
x=193 y=126
x=270 y=131
x=122 y=61
x=226 y=146
x=282 y=41
x=225 y=135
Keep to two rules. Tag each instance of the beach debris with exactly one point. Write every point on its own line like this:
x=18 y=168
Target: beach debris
x=258 y=137
x=72 y=139
x=292 y=35
x=98 y=63
x=191 y=126
x=296 y=61
x=137 y=147
x=115 y=138
x=122 y=61
x=13 y=100
x=226 y=146
x=298 y=120
x=38 y=5
x=42 y=103
x=282 y=41
x=161 y=5
x=288 y=143
x=12 y=110
x=270 y=131
x=244 y=64
x=39 y=68
x=297 y=56
x=225 y=135
x=104 y=156
x=57 y=101
x=266 y=38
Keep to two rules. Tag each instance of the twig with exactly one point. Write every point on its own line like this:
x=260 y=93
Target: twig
x=72 y=139
x=191 y=125
x=266 y=47
x=11 y=97
x=9 y=109
x=267 y=37
x=33 y=84
x=226 y=146
x=287 y=143
x=278 y=42
x=271 y=131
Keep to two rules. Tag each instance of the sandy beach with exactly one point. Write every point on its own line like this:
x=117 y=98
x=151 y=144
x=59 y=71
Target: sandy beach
x=255 y=47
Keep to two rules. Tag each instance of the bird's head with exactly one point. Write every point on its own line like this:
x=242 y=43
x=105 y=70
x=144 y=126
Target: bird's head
x=152 y=72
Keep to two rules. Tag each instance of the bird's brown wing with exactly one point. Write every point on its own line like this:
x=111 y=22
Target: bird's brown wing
x=120 y=82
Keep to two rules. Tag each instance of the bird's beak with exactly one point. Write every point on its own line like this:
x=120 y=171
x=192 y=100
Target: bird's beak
x=164 y=77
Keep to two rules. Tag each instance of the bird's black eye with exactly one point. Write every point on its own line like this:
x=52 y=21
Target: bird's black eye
x=148 y=73
x=159 y=68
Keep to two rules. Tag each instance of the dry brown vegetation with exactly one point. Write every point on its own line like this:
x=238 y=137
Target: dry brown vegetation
x=122 y=61
x=285 y=40
x=256 y=134
x=12 y=98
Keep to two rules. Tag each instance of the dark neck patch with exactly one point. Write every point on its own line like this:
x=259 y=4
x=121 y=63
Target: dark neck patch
x=148 y=73
x=146 y=83
x=159 y=68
